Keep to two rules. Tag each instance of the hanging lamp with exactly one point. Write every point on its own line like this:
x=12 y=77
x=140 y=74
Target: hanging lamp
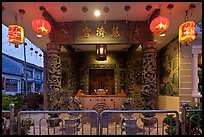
x=159 y=24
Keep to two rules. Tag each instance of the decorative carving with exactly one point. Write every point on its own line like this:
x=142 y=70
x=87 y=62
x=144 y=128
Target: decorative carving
x=102 y=65
x=100 y=32
x=74 y=103
x=129 y=104
x=69 y=67
x=148 y=93
x=136 y=32
x=55 y=94
x=64 y=79
x=115 y=32
x=64 y=29
x=86 y=32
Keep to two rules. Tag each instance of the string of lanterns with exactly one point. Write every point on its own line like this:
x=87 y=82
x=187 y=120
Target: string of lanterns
x=187 y=31
x=16 y=33
x=159 y=24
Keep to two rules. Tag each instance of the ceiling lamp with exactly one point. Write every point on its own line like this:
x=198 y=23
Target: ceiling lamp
x=159 y=24
x=97 y=13
x=101 y=51
x=187 y=32
x=41 y=26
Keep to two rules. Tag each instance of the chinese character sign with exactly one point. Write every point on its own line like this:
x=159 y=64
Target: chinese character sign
x=15 y=35
x=115 y=32
x=187 y=32
x=100 y=32
x=86 y=32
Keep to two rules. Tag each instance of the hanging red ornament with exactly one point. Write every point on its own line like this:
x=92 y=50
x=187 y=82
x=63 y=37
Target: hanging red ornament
x=170 y=6
x=63 y=8
x=127 y=7
x=159 y=24
x=41 y=26
x=192 y=6
x=148 y=7
x=42 y=8
x=21 y=11
x=84 y=9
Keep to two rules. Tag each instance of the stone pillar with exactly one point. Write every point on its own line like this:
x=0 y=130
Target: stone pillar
x=195 y=94
x=54 y=94
x=149 y=86
x=45 y=82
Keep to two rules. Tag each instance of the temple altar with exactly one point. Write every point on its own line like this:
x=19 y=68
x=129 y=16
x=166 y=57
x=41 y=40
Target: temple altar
x=101 y=102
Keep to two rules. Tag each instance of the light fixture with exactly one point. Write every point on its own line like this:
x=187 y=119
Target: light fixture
x=101 y=51
x=187 y=32
x=97 y=13
x=159 y=24
x=15 y=33
x=41 y=26
x=162 y=35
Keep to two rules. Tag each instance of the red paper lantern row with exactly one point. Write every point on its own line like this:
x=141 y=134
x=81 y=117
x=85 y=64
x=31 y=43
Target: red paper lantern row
x=187 y=32
x=15 y=35
x=159 y=24
x=41 y=26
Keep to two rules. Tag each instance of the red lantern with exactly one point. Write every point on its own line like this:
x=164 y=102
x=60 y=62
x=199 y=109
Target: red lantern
x=187 y=32
x=41 y=26
x=15 y=35
x=159 y=24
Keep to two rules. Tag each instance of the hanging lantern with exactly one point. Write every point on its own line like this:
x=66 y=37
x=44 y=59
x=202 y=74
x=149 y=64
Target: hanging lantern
x=187 y=32
x=41 y=26
x=159 y=24
x=15 y=35
x=101 y=52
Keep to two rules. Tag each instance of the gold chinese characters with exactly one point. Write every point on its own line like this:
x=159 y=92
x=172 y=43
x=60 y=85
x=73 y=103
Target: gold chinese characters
x=101 y=31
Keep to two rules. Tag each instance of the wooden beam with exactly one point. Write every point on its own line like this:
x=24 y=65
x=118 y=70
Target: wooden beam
x=155 y=14
x=53 y=24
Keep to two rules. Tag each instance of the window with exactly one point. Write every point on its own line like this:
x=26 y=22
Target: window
x=38 y=75
x=11 y=85
x=29 y=73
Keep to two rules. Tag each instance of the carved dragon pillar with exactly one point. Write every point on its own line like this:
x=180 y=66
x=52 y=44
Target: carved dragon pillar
x=54 y=94
x=148 y=93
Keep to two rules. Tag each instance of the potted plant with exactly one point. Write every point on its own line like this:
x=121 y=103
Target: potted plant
x=194 y=120
x=171 y=129
x=24 y=128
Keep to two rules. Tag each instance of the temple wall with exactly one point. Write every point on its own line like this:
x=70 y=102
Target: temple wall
x=127 y=66
x=168 y=77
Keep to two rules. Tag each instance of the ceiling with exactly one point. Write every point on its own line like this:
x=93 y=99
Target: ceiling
x=74 y=12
